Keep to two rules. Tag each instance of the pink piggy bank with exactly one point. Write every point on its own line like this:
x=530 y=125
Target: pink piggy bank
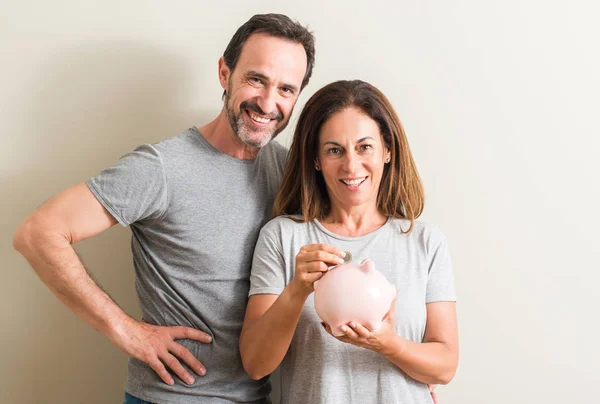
x=351 y=292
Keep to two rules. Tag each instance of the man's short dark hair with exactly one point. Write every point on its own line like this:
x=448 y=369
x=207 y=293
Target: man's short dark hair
x=279 y=26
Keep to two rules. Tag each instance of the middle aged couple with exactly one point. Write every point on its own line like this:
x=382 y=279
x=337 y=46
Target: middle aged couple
x=225 y=303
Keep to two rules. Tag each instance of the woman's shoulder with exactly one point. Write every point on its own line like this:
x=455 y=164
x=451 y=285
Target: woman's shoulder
x=426 y=232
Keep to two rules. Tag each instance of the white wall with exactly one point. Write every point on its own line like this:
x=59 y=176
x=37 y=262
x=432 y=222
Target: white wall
x=500 y=102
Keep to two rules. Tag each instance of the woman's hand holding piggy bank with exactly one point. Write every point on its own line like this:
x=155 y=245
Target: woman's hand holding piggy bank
x=311 y=263
x=353 y=294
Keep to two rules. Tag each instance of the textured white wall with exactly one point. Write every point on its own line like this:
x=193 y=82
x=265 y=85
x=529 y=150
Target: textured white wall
x=500 y=103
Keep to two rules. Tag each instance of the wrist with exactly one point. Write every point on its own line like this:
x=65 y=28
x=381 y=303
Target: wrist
x=297 y=294
x=115 y=325
x=392 y=346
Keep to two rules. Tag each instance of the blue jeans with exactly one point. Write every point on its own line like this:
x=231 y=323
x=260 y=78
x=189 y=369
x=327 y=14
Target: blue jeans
x=129 y=399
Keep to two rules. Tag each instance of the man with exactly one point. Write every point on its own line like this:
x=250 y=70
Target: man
x=195 y=204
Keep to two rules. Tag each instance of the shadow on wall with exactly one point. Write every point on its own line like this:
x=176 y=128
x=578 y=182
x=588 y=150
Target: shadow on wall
x=88 y=107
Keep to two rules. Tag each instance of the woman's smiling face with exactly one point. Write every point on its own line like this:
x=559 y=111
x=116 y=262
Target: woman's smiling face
x=352 y=157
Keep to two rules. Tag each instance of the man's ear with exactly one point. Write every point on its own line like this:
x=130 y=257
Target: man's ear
x=224 y=73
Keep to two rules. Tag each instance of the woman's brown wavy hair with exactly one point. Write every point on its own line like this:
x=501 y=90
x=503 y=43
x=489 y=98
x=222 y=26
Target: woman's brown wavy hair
x=303 y=188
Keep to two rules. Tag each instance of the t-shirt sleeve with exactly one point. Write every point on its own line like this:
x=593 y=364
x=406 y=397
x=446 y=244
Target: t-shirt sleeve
x=268 y=266
x=135 y=188
x=440 y=280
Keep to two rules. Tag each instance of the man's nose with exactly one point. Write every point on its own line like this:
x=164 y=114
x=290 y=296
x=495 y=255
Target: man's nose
x=267 y=100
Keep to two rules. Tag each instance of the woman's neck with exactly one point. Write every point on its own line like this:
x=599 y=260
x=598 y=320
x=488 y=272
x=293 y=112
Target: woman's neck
x=353 y=222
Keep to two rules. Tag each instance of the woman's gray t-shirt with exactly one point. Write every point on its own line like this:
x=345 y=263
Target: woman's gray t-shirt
x=320 y=369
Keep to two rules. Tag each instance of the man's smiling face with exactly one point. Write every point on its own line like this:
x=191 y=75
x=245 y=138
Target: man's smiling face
x=263 y=87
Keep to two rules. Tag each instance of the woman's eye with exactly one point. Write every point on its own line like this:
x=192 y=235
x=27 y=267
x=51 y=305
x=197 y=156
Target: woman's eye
x=334 y=150
x=366 y=147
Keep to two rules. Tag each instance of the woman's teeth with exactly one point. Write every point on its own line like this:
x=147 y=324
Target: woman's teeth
x=354 y=182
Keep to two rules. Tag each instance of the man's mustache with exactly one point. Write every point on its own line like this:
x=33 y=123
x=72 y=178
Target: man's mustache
x=252 y=106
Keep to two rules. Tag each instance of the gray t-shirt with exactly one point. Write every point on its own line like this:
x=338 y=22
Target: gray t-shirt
x=194 y=214
x=320 y=369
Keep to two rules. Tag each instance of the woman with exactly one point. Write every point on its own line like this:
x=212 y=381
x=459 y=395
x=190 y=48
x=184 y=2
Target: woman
x=350 y=185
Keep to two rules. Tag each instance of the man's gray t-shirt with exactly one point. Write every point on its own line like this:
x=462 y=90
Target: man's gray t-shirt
x=317 y=367
x=194 y=214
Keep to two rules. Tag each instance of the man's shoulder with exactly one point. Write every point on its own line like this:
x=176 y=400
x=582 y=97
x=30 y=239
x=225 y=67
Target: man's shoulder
x=178 y=142
x=275 y=151
x=278 y=147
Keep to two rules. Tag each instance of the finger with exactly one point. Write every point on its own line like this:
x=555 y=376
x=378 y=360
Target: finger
x=432 y=392
x=323 y=256
x=345 y=340
x=161 y=371
x=328 y=329
x=173 y=364
x=312 y=277
x=359 y=329
x=349 y=332
x=323 y=247
x=179 y=332
x=342 y=338
x=185 y=355
x=311 y=267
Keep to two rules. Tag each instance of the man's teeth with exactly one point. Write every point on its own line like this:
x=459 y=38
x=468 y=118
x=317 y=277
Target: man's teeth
x=258 y=118
x=354 y=182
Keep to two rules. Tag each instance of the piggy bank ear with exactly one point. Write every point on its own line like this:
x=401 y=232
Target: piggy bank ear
x=367 y=265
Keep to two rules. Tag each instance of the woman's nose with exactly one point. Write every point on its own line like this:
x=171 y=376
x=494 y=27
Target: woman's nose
x=350 y=162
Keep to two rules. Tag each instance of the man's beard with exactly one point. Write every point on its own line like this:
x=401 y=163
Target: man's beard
x=243 y=132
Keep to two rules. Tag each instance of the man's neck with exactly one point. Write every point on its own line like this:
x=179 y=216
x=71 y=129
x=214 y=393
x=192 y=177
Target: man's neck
x=220 y=136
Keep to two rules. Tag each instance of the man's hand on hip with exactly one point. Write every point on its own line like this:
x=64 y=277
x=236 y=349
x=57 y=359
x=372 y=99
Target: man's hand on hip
x=156 y=346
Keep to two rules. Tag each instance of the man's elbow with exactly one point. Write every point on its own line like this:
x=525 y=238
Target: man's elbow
x=22 y=237
x=35 y=232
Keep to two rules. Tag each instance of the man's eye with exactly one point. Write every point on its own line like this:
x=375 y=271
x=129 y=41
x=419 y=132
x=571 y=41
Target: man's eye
x=256 y=80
